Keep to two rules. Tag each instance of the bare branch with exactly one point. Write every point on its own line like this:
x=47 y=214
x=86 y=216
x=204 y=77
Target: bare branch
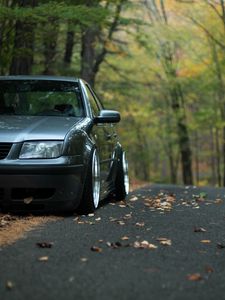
x=118 y=71
x=114 y=24
x=163 y=11
x=215 y=10
x=208 y=33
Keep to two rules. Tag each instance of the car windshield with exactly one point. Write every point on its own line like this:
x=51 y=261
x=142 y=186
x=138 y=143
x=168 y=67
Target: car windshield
x=40 y=98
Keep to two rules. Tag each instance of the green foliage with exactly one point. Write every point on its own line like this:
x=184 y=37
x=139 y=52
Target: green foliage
x=148 y=59
x=81 y=14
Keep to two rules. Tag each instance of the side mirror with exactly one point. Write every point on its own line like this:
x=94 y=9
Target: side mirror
x=107 y=116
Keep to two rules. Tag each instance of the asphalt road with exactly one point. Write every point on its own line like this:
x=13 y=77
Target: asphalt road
x=188 y=263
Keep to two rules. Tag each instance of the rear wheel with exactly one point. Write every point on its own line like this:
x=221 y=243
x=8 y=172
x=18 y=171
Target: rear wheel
x=122 y=178
x=91 y=193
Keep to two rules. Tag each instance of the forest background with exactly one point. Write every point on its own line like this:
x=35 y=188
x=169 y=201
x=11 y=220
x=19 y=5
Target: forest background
x=159 y=62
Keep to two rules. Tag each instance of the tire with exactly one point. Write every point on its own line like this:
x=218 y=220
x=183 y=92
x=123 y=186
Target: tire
x=122 y=178
x=91 y=193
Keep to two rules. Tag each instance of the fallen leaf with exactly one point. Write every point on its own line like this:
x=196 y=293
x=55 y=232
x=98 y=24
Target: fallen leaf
x=9 y=285
x=194 y=277
x=43 y=258
x=218 y=201
x=114 y=245
x=80 y=222
x=84 y=259
x=164 y=241
x=140 y=224
x=44 y=245
x=111 y=219
x=91 y=215
x=28 y=200
x=199 y=229
x=133 y=199
x=144 y=245
x=96 y=249
x=209 y=269
x=152 y=246
x=124 y=238
x=220 y=246
x=118 y=244
x=127 y=216
x=121 y=222
x=205 y=241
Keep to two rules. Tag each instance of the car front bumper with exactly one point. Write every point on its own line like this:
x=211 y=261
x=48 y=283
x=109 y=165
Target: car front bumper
x=41 y=187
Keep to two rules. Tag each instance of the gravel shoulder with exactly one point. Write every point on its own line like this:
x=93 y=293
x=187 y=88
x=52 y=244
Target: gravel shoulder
x=14 y=227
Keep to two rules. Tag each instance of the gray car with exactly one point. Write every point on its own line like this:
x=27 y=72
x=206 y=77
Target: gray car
x=58 y=146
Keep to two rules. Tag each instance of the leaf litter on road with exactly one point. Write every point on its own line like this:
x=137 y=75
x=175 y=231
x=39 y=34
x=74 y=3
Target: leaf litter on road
x=124 y=238
x=9 y=285
x=140 y=224
x=220 y=245
x=114 y=245
x=205 y=241
x=133 y=199
x=195 y=277
x=199 y=229
x=162 y=202
x=44 y=244
x=43 y=258
x=96 y=249
x=144 y=245
x=164 y=241
x=84 y=259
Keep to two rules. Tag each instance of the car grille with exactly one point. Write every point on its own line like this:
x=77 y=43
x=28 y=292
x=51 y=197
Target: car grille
x=4 y=149
x=36 y=193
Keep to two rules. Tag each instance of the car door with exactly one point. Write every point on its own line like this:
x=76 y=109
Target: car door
x=102 y=134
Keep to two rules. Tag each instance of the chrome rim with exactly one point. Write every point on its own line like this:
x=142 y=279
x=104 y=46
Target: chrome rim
x=95 y=179
x=125 y=172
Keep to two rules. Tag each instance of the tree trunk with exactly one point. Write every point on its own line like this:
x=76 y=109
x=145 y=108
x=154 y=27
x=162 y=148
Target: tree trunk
x=185 y=151
x=196 y=143
x=218 y=159
x=213 y=162
x=69 y=47
x=88 y=55
x=22 y=59
x=90 y=59
x=221 y=97
x=50 y=46
x=173 y=171
x=183 y=136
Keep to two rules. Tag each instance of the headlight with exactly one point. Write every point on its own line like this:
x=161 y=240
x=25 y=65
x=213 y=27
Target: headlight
x=48 y=149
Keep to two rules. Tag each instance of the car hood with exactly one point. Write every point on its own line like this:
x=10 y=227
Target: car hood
x=22 y=128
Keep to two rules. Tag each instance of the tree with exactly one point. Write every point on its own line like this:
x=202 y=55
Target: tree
x=22 y=58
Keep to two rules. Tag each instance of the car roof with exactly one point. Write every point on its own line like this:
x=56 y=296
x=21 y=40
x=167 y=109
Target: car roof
x=39 y=77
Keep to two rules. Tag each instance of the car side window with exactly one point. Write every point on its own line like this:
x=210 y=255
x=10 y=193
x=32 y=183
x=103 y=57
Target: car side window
x=94 y=105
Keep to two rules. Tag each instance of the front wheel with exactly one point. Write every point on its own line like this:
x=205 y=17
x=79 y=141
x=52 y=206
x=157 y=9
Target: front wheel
x=91 y=193
x=122 y=178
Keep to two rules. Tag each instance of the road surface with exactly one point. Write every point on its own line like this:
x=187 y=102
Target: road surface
x=165 y=242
